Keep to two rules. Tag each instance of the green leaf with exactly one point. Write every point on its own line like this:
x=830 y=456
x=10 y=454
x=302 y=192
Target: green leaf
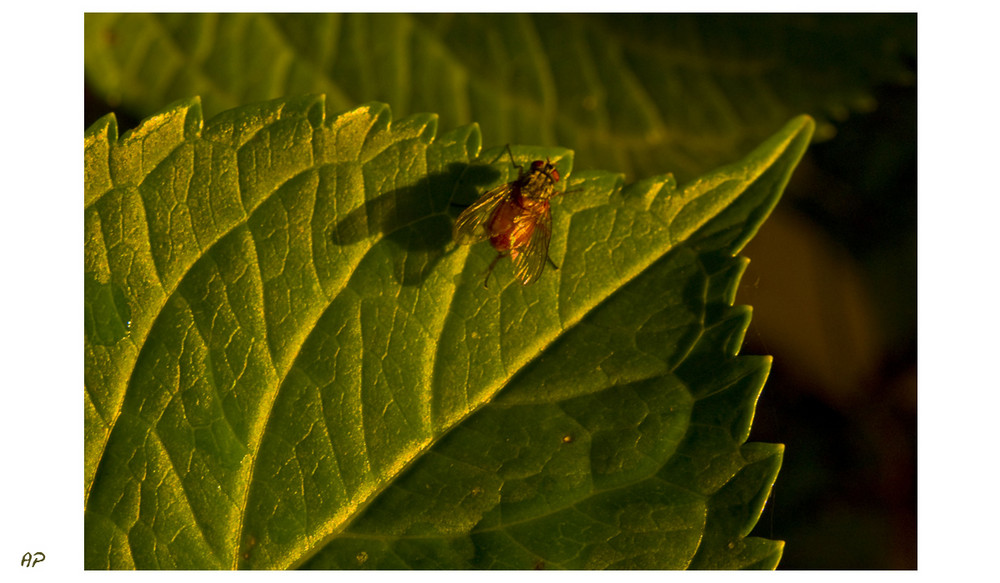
x=289 y=363
x=632 y=93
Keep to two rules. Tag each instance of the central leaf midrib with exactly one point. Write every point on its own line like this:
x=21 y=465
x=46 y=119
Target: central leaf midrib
x=643 y=266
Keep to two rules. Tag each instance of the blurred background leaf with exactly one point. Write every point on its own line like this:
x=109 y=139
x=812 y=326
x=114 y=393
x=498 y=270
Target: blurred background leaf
x=646 y=94
x=634 y=93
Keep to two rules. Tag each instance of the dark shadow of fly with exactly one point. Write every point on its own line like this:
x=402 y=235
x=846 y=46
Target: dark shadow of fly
x=417 y=219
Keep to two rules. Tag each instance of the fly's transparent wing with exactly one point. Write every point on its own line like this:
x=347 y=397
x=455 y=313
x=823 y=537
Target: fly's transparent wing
x=473 y=225
x=529 y=260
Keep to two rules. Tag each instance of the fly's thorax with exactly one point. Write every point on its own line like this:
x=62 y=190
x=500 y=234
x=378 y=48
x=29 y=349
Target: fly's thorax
x=540 y=181
x=538 y=186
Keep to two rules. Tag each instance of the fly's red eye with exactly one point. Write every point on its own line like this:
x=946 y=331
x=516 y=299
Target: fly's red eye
x=555 y=175
x=537 y=165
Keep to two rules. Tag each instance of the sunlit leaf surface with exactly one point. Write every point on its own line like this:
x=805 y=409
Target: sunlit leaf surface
x=290 y=364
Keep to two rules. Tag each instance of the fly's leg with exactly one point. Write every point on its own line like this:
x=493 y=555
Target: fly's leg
x=520 y=169
x=493 y=264
x=552 y=263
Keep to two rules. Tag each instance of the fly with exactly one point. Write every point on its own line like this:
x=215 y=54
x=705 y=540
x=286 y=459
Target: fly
x=516 y=218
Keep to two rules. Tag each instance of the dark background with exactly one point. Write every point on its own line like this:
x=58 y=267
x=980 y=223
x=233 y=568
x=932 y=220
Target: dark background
x=833 y=283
